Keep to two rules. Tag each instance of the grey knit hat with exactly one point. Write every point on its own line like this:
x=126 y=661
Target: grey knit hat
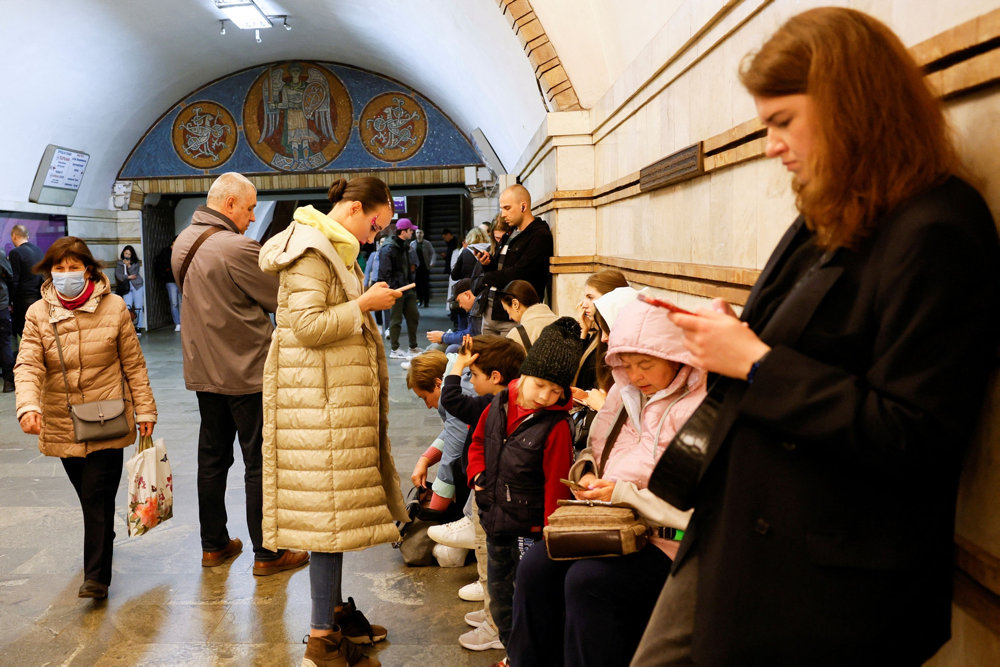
x=555 y=356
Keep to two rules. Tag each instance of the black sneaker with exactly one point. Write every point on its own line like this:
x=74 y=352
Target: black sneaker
x=355 y=627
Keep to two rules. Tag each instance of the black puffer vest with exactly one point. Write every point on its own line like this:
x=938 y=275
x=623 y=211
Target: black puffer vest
x=512 y=501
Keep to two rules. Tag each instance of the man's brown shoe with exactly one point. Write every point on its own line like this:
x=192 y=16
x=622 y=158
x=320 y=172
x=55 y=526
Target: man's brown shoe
x=288 y=560
x=214 y=558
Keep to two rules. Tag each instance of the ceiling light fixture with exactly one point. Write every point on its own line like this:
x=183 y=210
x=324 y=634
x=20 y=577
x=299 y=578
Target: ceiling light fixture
x=222 y=27
x=284 y=22
x=256 y=34
x=244 y=14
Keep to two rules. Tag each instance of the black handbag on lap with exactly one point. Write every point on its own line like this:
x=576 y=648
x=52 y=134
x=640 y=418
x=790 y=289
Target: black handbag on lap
x=676 y=473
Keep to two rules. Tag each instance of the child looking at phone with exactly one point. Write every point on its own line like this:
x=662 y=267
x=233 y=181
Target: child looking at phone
x=564 y=611
x=521 y=448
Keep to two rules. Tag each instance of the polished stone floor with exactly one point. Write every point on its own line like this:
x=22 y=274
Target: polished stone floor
x=164 y=608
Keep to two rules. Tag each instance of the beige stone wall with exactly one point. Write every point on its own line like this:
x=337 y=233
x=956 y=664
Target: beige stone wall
x=582 y=169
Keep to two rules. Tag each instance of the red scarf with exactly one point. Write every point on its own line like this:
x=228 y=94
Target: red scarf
x=76 y=302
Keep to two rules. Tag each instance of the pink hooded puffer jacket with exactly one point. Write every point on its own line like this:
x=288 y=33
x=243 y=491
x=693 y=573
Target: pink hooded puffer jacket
x=644 y=329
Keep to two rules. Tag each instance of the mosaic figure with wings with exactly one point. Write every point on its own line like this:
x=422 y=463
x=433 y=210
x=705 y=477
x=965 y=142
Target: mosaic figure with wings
x=290 y=105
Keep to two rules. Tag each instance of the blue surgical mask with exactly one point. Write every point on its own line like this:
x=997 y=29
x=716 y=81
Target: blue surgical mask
x=70 y=284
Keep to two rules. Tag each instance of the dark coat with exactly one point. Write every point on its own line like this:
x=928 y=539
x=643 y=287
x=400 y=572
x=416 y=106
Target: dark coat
x=527 y=258
x=824 y=520
x=394 y=263
x=26 y=286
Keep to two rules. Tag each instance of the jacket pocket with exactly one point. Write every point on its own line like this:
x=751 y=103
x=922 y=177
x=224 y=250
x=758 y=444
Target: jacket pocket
x=524 y=504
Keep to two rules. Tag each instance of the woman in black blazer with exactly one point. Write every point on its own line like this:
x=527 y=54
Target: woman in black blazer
x=851 y=385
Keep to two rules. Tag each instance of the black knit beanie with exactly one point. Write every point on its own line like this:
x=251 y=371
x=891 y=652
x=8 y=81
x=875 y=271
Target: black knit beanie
x=555 y=356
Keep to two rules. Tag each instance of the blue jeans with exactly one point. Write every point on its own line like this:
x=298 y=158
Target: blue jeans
x=136 y=300
x=503 y=554
x=326 y=572
x=175 y=302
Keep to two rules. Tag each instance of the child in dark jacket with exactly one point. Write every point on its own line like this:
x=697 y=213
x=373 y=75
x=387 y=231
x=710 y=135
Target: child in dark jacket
x=521 y=448
x=491 y=362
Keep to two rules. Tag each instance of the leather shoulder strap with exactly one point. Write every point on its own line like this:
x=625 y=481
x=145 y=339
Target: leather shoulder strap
x=194 y=248
x=610 y=441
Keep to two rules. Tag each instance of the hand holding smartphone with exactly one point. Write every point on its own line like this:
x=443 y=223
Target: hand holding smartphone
x=663 y=304
x=576 y=486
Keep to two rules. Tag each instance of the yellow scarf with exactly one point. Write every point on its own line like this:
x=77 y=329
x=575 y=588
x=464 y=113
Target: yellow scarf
x=344 y=242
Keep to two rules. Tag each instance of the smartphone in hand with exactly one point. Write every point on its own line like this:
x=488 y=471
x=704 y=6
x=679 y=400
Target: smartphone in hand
x=576 y=486
x=663 y=304
x=406 y=287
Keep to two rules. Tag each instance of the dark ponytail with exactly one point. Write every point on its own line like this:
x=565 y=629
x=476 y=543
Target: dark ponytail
x=521 y=290
x=368 y=190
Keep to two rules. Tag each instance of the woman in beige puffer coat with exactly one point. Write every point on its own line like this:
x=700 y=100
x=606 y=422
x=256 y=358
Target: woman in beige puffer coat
x=99 y=347
x=330 y=483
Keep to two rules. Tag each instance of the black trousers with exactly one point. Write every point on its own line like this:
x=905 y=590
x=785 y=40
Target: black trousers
x=6 y=346
x=588 y=612
x=224 y=417
x=95 y=479
x=423 y=287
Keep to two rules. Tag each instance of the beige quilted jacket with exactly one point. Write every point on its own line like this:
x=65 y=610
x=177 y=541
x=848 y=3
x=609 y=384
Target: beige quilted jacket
x=330 y=483
x=99 y=344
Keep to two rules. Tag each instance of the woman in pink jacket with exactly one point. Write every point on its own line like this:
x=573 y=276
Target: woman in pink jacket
x=599 y=606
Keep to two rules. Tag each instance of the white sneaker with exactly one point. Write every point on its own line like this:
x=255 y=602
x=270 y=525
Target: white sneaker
x=405 y=365
x=476 y=618
x=177 y=328
x=398 y=354
x=482 y=638
x=386 y=334
x=449 y=556
x=472 y=592
x=459 y=533
x=414 y=351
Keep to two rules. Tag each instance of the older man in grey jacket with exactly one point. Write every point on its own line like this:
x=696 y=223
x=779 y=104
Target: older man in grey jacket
x=227 y=328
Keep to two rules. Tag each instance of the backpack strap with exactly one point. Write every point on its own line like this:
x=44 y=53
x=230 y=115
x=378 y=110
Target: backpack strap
x=194 y=248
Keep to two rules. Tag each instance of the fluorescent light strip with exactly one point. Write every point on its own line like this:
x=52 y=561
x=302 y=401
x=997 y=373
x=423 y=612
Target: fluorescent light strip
x=246 y=16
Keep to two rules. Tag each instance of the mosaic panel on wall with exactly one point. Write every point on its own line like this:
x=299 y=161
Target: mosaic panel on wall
x=298 y=116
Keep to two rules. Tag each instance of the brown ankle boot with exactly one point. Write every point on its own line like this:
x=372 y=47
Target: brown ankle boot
x=335 y=651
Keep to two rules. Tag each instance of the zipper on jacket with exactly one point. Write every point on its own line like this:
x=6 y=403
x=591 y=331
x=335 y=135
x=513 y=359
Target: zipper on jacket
x=507 y=486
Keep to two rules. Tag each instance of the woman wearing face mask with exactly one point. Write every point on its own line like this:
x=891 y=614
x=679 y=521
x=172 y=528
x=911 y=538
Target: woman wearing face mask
x=592 y=611
x=127 y=271
x=99 y=346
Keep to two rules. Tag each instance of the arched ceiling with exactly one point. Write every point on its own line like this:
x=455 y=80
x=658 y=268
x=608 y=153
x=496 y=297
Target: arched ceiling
x=94 y=75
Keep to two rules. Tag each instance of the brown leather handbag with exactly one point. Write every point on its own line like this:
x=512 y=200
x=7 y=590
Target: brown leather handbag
x=595 y=529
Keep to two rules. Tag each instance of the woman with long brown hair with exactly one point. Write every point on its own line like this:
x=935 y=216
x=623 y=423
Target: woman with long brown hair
x=850 y=386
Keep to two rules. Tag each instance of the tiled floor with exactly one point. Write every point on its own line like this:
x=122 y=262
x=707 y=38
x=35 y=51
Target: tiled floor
x=164 y=608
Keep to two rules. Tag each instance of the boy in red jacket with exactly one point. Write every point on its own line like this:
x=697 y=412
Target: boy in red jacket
x=521 y=448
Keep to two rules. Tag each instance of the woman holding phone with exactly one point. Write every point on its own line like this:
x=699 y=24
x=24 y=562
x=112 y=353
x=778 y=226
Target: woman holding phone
x=326 y=401
x=851 y=385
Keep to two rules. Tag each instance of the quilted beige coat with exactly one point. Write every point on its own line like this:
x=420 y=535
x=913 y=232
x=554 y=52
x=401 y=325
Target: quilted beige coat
x=99 y=344
x=330 y=483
